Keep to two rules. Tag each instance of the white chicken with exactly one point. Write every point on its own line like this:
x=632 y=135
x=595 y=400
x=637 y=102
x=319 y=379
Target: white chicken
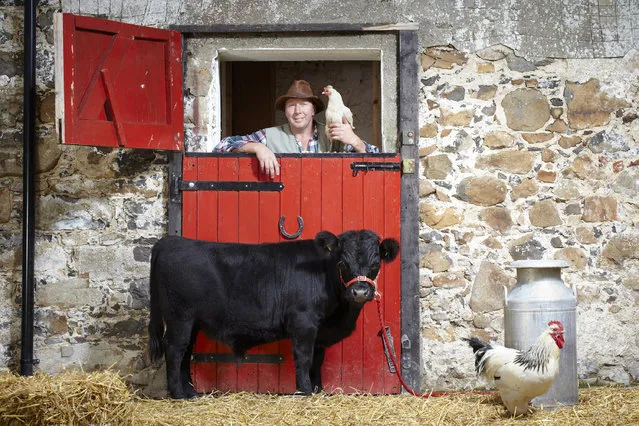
x=520 y=376
x=336 y=111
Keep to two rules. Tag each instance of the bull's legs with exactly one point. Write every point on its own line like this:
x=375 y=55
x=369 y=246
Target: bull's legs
x=316 y=369
x=177 y=339
x=303 y=343
x=185 y=368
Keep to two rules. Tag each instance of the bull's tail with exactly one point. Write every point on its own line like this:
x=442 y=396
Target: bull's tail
x=156 y=323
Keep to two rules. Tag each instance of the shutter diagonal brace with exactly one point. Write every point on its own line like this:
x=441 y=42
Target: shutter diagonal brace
x=113 y=107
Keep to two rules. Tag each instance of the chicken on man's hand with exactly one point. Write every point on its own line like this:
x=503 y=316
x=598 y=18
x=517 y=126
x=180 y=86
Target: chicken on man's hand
x=301 y=133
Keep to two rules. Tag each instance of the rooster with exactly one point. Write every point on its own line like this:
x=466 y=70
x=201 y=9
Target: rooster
x=336 y=111
x=520 y=376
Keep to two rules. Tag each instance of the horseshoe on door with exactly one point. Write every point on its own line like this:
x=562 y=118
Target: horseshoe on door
x=300 y=223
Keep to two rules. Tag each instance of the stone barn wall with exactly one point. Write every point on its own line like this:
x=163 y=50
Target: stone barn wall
x=522 y=156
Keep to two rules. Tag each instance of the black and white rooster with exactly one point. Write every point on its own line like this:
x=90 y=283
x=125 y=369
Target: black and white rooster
x=520 y=376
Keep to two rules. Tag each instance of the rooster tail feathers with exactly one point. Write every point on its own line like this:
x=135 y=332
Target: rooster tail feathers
x=479 y=349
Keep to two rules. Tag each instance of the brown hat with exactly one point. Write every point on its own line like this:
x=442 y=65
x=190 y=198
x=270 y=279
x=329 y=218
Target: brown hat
x=300 y=89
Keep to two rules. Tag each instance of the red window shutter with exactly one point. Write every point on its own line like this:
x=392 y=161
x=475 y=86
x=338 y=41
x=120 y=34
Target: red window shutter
x=118 y=85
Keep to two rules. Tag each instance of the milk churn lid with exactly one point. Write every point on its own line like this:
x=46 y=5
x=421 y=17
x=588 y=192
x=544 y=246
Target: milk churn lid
x=541 y=263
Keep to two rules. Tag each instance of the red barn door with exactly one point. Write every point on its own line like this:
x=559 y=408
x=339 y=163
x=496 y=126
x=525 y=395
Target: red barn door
x=327 y=193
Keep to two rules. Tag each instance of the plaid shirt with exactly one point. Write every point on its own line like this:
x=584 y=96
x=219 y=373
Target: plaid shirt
x=231 y=143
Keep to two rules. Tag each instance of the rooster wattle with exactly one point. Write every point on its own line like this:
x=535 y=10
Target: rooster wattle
x=520 y=376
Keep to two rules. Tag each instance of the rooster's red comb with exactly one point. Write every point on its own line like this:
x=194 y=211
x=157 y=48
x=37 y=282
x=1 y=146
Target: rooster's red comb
x=557 y=323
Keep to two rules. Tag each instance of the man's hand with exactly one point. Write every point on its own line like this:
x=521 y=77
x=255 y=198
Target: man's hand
x=343 y=132
x=268 y=162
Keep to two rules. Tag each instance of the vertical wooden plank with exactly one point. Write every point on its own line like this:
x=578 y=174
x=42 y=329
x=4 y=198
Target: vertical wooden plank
x=189 y=198
x=228 y=224
x=268 y=375
x=353 y=219
x=208 y=208
x=374 y=361
x=390 y=276
x=201 y=378
x=311 y=193
x=408 y=119
x=332 y=221
x=248 y=232
x=205 y=229
x=290 y=169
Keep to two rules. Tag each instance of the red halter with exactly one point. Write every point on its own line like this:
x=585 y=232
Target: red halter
x=360 y=278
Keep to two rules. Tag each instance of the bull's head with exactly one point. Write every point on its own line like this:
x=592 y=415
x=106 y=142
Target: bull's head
x=357 y=256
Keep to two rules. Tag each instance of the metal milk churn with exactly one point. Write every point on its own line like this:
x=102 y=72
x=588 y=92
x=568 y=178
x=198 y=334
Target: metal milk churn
x=540 y=296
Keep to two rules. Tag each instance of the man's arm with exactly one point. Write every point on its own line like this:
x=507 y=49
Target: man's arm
x=252 y=144
x=234 y=143
x=344 y=133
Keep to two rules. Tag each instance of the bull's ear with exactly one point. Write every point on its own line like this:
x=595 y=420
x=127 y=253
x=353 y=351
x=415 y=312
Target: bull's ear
x=326 y=242
x=389 y=249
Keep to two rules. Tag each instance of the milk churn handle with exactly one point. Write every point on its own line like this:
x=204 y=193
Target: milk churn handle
x=505 y=296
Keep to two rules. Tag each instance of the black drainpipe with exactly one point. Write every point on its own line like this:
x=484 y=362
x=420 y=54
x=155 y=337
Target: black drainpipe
x=28 y=190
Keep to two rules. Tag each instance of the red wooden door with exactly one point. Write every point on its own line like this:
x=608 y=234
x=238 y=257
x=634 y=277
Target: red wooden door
x=325 y=192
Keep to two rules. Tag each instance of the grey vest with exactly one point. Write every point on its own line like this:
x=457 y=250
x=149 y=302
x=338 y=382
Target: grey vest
x=280 y=140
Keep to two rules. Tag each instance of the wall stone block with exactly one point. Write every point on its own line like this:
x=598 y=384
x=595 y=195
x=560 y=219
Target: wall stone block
x=425 y=188
x=600 y=209
x=557 y=126
x=456 y=118
x=621 y=248
x=548 y=176
x=567 y=142
x=103 y=263
x=450 y=280
x=544 y=214
x=59 y=212
x=577 y=258
x=627 y=183
x=606 y=142
x=428 y=130
x=488 y=288
x=537 y=137
x=437 y=219
x=6 y=205
x=436 y=261
x=482 y=191
x=485 y=92
x=527 y=188
x=583 y=167
x=499 y=139
x=437 y=166
x=444 y=57
x=586 y=235
x=519 y=162
x=10 y=164
x=71 y=293
x=526 y=248
x=588 y=106
x=497 y=218
x=526 y=109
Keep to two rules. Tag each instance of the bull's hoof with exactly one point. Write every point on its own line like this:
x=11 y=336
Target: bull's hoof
x=190 y=392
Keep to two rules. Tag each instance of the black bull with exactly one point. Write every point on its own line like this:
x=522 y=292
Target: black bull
x=246 y=295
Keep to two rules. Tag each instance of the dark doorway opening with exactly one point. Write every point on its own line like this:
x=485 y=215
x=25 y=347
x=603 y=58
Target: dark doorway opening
x=250 y=88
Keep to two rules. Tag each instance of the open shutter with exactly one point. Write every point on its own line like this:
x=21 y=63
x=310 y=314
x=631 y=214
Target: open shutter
x=118 y=85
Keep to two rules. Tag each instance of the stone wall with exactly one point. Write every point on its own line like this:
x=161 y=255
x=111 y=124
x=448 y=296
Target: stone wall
x=520 y=158
x=528 y=160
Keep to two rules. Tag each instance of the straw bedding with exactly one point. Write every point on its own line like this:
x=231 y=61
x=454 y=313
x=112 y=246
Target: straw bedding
x=103 y=398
